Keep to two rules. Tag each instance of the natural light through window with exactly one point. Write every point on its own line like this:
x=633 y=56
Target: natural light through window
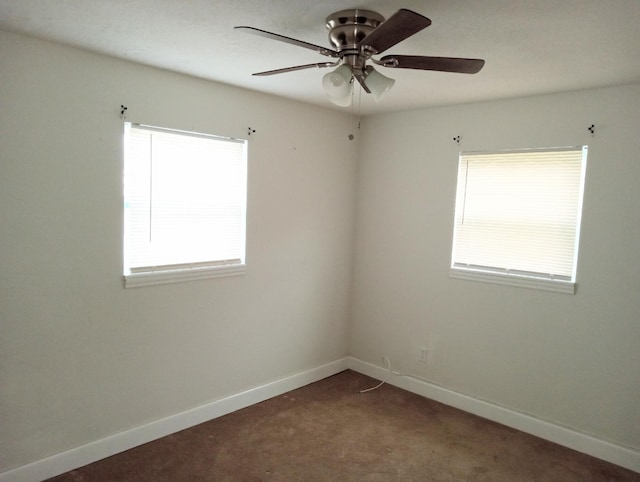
x=517 y=217
x=184 y=206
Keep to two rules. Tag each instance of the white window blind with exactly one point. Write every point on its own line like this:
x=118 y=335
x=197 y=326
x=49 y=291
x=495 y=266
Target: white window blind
x=518 y=215
x=185 y=200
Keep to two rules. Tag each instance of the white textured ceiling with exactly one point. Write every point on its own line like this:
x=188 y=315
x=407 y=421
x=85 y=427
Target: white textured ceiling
x=530 y=46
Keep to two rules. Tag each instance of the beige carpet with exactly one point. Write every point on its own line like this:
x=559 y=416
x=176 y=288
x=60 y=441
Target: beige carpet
x=328 y=431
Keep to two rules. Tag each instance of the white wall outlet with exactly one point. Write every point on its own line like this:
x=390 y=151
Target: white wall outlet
x=422 y=354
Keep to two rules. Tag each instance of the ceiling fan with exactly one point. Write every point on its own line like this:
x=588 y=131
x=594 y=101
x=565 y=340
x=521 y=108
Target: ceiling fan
x=356 y=36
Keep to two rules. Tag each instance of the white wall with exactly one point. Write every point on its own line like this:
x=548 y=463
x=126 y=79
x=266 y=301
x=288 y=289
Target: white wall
x=82 y=358
x=572 y=360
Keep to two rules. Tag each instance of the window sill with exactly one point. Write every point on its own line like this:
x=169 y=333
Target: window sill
x=559 y=286
x=149 y=278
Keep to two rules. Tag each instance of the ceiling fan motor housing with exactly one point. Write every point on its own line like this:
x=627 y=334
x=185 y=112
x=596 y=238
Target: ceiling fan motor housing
x=347 y=28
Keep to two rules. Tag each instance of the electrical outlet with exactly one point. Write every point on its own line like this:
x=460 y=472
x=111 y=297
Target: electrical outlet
x=422 y=354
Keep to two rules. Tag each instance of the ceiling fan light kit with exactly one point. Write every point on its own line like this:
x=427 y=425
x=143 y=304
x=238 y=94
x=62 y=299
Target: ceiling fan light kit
x=338 y=85
x=377 y=83
x=356 y=36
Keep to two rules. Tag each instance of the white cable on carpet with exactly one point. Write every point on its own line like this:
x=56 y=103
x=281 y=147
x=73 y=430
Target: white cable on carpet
x=385 y=359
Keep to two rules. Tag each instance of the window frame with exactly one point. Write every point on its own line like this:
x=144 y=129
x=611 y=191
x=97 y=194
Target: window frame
x=174 y=273
x=521 y=278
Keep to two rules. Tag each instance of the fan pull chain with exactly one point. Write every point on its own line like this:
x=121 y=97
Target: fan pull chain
x=352 y=119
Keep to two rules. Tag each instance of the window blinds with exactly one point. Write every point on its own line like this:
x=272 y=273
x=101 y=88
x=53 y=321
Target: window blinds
x=185 y=199
x=519 y=212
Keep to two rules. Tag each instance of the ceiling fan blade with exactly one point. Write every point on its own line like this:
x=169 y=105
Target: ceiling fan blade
x=401 y=25
x=263 y=33
x=297 y=67
x=442 y=64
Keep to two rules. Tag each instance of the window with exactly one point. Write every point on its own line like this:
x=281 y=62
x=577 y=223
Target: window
x=184 y=205
x=517 y=217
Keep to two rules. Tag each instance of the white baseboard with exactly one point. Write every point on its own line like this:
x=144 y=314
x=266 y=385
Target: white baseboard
x=86 y=454
x=106 y=447
x=617 y=454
